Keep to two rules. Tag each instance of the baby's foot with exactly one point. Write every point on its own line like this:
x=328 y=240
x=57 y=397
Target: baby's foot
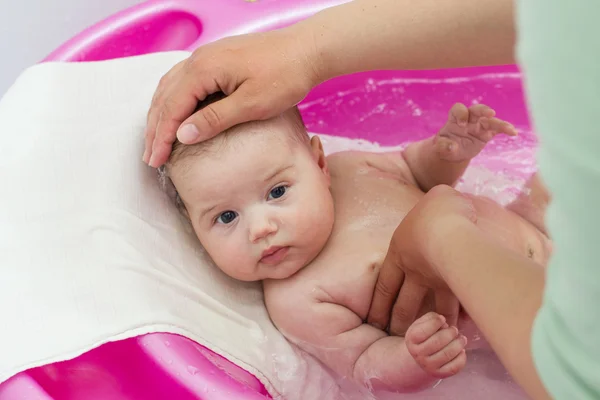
x=438 y=348
x=468 y=130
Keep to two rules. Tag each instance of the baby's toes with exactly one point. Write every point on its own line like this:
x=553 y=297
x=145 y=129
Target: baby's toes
x=479 y=111
x=449 y=360
x=503 y=127
x=489 y=127
x=459 y=114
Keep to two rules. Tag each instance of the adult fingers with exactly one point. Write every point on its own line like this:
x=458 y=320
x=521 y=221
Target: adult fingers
x=388 y=284
x=153 y=112
x=239 y=107
x=176 y=106
x=407 y=306
x=447 y=305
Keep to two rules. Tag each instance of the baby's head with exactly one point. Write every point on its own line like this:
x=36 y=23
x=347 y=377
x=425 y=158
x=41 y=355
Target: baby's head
x=257 y=196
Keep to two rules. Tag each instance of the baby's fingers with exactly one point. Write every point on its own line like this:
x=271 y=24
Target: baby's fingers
x=453 y=367
x=439 y=360
x=424 y=328
x=435 y=343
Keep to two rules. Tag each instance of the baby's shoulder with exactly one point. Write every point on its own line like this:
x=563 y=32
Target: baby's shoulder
x=353 y=156
x=389 y=160
x=346 y=158
x=390 y=163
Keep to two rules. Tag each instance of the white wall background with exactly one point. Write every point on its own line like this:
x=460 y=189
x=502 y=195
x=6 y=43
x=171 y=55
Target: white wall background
x=31 y=29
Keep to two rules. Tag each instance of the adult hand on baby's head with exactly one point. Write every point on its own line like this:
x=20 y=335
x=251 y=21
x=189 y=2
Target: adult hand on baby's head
x=262 y=74
x=409 y=269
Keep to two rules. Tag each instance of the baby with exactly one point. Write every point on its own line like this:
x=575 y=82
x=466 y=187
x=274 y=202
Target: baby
x=267 y=204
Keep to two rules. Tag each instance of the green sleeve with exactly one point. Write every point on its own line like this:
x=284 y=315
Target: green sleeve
x=559 y=51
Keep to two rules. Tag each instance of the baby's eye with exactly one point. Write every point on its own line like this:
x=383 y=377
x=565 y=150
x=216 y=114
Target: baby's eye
x=277 y=192
x=227 y=217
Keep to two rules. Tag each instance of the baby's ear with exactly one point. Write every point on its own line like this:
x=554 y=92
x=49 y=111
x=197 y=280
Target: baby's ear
x=319 y=154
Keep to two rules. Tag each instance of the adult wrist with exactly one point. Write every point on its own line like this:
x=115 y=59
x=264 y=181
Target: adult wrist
x=448 y=237
x=310 y=52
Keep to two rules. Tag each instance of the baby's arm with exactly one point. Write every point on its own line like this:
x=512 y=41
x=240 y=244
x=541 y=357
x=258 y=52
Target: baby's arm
x=443 y=159
x=339 y=338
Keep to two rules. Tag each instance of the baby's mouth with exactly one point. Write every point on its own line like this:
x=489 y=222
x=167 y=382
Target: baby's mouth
x=274 y=255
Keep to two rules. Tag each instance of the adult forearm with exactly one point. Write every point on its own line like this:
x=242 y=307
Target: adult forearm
x=405 y=34
x=502 y=292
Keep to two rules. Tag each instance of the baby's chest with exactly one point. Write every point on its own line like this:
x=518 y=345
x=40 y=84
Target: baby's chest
x=348 y=269
x=372 y=202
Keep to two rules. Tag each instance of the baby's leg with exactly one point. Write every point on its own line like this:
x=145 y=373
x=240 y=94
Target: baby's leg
x=430 y=351
x=442 y=159
x=532 y=202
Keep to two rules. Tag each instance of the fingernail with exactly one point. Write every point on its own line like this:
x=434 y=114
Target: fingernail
x=188 y=134
x=442 y=318
x=463 y=339
x=455 y=329
x=145 y=157
x=152 y=160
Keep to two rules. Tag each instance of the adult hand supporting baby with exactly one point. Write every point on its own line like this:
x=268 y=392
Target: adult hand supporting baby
x=263 y=74
x=438 y=246
x=408 y=273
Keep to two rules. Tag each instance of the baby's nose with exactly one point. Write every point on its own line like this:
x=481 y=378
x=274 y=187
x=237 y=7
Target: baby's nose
x=261 y=228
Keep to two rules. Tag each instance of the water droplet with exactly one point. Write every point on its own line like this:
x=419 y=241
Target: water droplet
x=192 y=370
x=170 y=362
x=167 y=343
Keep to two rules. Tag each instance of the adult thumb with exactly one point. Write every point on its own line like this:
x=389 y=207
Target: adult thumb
x=214 y=119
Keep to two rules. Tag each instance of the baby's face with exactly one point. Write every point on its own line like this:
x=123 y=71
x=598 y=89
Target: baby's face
x=260 y=204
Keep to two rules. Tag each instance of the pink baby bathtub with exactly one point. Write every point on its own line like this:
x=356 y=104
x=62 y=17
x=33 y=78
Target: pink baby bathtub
x=388 y=107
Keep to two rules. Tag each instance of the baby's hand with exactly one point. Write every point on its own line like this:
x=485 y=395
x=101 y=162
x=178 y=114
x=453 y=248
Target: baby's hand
x=468 y=130
x=437 y=347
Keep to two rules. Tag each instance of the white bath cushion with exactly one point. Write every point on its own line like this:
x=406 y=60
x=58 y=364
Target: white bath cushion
x=91 y=249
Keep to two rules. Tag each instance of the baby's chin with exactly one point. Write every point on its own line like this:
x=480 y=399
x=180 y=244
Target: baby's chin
x=285 y=271
x=279 y=272
x=297 y=260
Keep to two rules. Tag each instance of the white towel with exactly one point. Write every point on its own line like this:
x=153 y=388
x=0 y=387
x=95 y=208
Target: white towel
x=92 y=251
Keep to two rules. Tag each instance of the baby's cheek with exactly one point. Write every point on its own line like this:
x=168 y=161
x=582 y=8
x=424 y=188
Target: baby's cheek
x=235 y=260
x=227 y=251
x=316 y=211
